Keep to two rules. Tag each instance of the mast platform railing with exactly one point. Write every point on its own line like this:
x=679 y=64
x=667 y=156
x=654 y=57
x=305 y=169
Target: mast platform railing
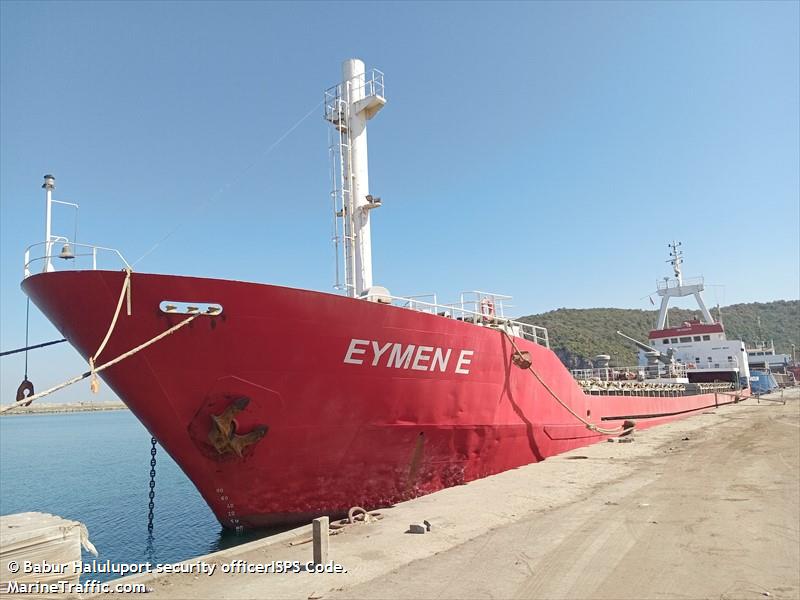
x=336 y=97
x=373 y=84
x=669 y=284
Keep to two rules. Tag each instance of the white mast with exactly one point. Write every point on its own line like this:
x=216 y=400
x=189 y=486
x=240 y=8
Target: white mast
x=675 y=288
x=49 y=185
x=348 y=107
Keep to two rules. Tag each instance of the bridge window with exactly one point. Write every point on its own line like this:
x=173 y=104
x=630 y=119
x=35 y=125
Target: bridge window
x=686 y=339
x=706 y=338
x=674 y=340
x=697 y=338
x=665 y=341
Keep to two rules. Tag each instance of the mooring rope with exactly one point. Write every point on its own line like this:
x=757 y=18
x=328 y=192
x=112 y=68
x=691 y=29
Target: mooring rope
x=124 y=293
x=104 y=366
x=590 y=426
x=33 y=347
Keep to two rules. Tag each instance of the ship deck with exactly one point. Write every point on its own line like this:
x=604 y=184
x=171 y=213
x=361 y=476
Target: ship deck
x=703 y=507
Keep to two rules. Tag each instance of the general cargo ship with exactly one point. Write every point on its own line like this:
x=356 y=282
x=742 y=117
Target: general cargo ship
x=284 y=404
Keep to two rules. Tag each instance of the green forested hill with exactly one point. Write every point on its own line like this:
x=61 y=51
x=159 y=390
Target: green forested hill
x=577 y=335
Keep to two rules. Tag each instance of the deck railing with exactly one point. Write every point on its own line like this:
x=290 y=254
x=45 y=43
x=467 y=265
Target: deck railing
x=722 y=365
x=42 y=256
x=488 y=307
x=666 y=284
x=460 y=312
x=637 y=373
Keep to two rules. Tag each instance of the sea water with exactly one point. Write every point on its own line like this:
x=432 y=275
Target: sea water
x=94 y=467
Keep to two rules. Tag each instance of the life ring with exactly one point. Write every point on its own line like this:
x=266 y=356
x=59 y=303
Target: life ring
x=25 y=386
x=487 y=309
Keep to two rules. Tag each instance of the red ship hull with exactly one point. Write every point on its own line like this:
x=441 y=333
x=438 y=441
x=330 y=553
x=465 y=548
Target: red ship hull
x=338 y=422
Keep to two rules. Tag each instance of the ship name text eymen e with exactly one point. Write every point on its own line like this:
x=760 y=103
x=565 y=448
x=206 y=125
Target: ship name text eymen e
x=407 y=356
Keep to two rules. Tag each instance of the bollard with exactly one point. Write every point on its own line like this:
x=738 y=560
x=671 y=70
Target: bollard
x=319 y=530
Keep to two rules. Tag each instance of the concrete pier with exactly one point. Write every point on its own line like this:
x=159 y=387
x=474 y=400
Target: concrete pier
x=705 y=507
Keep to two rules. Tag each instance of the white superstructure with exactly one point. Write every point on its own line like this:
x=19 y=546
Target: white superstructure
x=763 y=355
x=700 y=344
x=348 y=107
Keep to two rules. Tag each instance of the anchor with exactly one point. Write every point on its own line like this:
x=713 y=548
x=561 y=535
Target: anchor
x=223 y=436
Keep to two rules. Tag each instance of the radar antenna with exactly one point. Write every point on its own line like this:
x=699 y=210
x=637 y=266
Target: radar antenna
x=676 y=260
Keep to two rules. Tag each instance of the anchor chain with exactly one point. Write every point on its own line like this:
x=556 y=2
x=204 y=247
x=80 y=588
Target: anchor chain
x=151 y=505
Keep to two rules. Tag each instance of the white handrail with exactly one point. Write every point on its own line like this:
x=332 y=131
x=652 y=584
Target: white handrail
x=632 y=373
x=535 y=333
x=28 y=261
x=713 y=364
x=669 y=283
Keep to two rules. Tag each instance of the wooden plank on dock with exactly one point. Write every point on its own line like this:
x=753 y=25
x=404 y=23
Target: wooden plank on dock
x=40 y=538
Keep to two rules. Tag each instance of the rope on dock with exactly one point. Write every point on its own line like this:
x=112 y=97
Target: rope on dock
x=621 y=430
x=104 y=366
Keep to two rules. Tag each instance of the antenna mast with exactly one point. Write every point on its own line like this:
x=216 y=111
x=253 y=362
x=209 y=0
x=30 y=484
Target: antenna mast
x=49 y=185
x=676 y=260
x=348 y=107
x=677 y=288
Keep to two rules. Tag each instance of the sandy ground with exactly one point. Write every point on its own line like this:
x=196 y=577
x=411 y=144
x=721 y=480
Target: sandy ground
x=707 y=507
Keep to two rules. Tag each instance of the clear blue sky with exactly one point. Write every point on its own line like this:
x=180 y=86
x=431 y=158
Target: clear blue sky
x=545 y=150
